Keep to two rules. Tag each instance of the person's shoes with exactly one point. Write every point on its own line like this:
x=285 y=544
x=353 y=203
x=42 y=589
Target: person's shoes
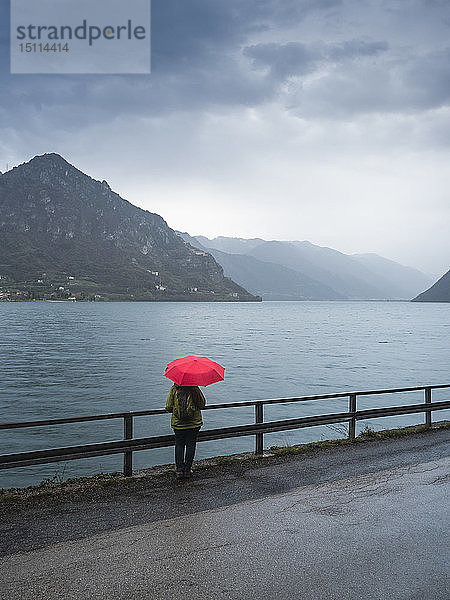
x=179 y=475
x=187 y=474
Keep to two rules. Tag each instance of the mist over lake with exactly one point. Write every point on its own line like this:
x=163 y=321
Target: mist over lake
x=73 y=359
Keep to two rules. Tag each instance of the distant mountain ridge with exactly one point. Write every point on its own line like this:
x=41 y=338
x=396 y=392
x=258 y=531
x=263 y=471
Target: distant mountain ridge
x=273 y=281
x=292 y=270
x=400 y=280
x=63 y=234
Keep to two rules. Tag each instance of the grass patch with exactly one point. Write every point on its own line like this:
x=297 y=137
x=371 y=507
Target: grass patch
x=8 y=497
x=366 y=435
x=55 y=488
x=304 y=448
x=224 y=460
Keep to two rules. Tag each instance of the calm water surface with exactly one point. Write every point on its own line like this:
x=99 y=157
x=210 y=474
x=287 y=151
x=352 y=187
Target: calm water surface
x=70 y=359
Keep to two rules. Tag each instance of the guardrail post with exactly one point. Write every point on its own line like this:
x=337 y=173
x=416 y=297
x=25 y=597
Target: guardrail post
x=428 y=401
x=259 y=418
x=128 y=454
x=352 y=422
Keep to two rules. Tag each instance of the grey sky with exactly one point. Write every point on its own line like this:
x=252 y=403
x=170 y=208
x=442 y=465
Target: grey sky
x=320 y=120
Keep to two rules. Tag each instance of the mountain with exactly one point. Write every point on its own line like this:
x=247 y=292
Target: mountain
x=269 y=280
x=323 y=264
x=439 y=292
x=230 y=245
x=63 y=234
x=397 y=280
x=360 y=277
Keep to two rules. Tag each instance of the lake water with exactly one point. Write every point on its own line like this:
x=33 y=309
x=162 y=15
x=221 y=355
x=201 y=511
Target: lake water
x=71 y=359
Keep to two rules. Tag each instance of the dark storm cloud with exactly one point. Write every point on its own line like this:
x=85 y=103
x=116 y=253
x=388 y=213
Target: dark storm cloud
x=205 y=56
x=283 y=60
x=190 y=30
x=398 y=86
x=4 y=38
x=296 y=59
x=354 y=48
x=197 y=63
x=429 y=78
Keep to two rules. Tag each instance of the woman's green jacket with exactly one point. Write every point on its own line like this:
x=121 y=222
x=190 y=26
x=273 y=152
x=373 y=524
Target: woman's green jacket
x=196 y=419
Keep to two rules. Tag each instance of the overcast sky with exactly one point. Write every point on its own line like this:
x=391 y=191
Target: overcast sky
x=319 y=120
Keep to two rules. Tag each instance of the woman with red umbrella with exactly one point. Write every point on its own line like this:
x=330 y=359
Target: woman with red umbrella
x=185 y=402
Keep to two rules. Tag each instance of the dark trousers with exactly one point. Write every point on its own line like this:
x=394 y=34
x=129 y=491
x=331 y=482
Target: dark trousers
x=185 y=442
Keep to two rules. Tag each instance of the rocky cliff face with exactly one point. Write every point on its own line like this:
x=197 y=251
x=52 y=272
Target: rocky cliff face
x=59 y=226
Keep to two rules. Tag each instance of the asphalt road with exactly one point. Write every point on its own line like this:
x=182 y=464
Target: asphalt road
x=368 y=521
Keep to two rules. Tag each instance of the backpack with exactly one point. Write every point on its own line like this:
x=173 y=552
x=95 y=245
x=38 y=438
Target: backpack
x=184 y=405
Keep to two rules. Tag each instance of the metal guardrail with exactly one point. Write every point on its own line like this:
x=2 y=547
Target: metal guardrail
x=128 y=444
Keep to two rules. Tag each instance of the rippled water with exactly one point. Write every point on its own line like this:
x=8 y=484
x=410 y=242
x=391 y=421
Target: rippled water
x=67 y=359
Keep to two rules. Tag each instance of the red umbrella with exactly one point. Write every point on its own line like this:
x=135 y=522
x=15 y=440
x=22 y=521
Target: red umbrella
x=194 y=370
